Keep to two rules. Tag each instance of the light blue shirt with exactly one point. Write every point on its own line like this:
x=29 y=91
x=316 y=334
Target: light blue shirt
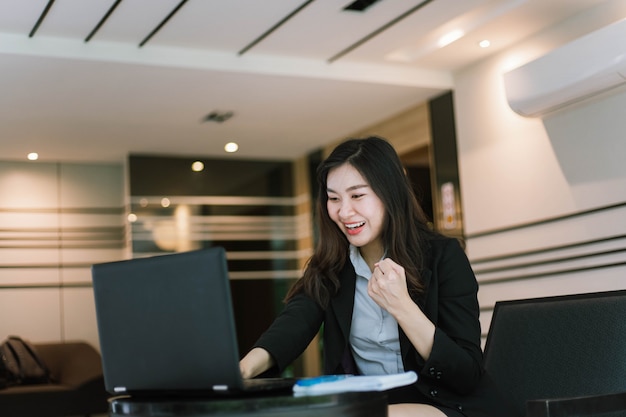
x=374 y=333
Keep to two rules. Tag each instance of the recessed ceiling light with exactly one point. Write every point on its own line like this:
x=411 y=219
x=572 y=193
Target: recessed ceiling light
x=33 y=156
x=231 y=147
x=197 y=166
x=485 y=43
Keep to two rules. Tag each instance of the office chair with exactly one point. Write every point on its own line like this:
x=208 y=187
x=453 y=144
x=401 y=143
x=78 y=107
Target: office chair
x=561 y=356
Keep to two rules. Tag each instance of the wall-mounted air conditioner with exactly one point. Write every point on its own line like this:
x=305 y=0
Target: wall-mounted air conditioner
x=574 y=72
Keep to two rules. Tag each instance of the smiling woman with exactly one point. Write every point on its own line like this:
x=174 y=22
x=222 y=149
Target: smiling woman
x=392 y=294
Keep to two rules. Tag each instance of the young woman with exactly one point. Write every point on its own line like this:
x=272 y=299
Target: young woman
x=392 y=294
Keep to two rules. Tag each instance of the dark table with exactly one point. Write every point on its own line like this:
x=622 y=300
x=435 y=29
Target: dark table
x=353 y=404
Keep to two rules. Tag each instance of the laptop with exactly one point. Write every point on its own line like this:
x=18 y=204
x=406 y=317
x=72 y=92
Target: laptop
x=166 y=325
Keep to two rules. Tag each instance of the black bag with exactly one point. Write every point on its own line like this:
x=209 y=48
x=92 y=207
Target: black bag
x=20 y=364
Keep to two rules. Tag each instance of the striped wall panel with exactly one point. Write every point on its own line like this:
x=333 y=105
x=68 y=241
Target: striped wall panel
x=576 y=253
x=260 y=234
x=249 y=207
x=56 y=220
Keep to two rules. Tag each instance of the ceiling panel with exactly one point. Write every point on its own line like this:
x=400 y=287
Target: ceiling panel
x=134 y=20
x=72 y=100
x=324 y=29
x=72 y=18
x=19 y=16
x=221 y=25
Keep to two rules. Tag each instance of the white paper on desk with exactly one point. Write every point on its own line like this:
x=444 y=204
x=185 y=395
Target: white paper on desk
x=358 y=383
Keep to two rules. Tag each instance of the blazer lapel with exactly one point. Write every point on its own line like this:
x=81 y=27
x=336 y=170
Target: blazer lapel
x=343 y=302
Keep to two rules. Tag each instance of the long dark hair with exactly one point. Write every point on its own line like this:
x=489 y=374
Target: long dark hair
x=405 y=225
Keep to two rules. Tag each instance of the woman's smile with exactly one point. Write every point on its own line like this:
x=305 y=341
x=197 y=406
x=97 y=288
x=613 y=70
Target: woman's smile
x=354 y=228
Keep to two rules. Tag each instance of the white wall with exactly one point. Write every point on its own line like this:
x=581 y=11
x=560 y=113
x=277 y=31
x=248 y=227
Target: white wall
x=56 y=220
x=544 y=200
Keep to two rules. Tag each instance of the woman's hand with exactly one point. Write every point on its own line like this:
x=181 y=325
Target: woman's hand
x=257 y=361
x=387 y=287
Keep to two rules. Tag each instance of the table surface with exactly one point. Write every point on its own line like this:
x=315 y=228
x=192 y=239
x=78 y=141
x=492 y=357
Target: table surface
x=352 y=404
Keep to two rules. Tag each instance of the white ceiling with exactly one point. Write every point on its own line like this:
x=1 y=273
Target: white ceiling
x=72 y=89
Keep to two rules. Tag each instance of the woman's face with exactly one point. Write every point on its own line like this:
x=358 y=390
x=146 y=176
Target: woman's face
x=355 y=208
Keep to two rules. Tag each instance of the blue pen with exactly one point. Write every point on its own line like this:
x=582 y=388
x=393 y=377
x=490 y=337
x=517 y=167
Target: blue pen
x=307 y=382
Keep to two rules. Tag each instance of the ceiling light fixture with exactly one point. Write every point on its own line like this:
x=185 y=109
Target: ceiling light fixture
x=450 y=37
x=197 y=166
x=33 y=156
x=231 y=147
x=485 y=43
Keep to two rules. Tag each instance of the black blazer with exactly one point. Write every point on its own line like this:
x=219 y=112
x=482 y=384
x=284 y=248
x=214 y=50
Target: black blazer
x=452 y=376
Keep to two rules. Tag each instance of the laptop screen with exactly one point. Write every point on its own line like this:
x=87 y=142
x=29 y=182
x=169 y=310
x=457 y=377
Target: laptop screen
x=165 y=323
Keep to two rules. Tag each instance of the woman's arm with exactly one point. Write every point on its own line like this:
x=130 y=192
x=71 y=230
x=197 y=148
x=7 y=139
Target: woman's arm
x=285 y=339
x=257 y=361
x=388 y=289
x=457 y=354
x=450 y=349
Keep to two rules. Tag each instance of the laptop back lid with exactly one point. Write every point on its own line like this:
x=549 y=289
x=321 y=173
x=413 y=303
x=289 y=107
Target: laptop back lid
x=166 y=323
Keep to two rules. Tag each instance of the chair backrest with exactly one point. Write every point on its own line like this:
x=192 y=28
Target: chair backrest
x=557 y=347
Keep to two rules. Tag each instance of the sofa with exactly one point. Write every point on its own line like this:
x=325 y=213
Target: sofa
x=77 y=388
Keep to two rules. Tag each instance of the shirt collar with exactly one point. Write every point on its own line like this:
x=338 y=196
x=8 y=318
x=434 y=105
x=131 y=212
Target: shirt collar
x=359 y=264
